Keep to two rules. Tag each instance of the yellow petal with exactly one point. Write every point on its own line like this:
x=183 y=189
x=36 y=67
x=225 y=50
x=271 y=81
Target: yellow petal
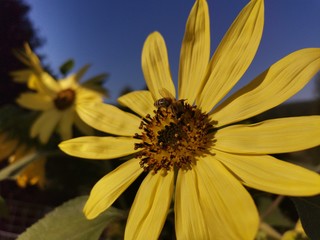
x=33 y=173
x=140 y=102
x=45 y=125
x=277 y=84
x=109 y=119
x=195 y=51
x=35 y=101
x=68 y=82
x=21 y=76
x=82 y=126
x=190 y=220
x=150 y=207
x=7 y=146
x=34 y=61
x=20 y=152
x=155 y=65
x=29 y=58
x=234 y=54
x=110 y=187
x=33 y=82
x=269 y=174
x=47 y=85
x=230 y=212
x=299 y=227
x=85 y=95
x=66 y=123
x=99 y=147
x=271 y=136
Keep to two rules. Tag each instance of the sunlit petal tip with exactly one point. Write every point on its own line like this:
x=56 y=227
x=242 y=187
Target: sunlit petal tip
x=269 y=174
x=233 y=55
x=88 y=213
x=155 y=65
x=278 y=83
x=110 y=187
x=99 y=147
x=195 y=52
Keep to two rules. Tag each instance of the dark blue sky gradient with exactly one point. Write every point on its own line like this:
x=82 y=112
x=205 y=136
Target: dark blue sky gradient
x=109 y=34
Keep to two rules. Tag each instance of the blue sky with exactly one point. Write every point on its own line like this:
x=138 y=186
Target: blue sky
x=109 y=34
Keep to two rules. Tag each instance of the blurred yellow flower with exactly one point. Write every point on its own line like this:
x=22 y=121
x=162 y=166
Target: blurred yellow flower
x=34 y=70
x=7 y=146
x=31 y=174
x=296 y=234
x=189 y=147
x=58 y=100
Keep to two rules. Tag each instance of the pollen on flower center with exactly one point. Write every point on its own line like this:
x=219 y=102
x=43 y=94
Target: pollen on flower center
x=174 y=137
x=64 y=99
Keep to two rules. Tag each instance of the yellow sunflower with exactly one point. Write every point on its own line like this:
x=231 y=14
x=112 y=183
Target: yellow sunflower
x=190 y=148
x=56 y=99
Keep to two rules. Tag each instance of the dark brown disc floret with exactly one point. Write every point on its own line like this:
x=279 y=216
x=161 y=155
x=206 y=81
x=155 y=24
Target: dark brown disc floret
x=175 y=137
x=64 y=99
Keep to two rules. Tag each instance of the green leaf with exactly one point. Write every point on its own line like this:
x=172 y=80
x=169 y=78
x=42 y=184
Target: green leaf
x=3 y=208
x=66 y=67
x=14 y=168
x=67 y=222
x=309 y=212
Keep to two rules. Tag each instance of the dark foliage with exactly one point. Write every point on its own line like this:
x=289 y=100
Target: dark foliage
x=15 y=29
x=309 y=212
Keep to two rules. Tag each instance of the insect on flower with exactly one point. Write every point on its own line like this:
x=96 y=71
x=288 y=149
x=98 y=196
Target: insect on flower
x=169 y=101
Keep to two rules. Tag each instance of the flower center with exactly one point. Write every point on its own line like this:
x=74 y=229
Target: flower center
x=174 y=137
x=64 y=99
